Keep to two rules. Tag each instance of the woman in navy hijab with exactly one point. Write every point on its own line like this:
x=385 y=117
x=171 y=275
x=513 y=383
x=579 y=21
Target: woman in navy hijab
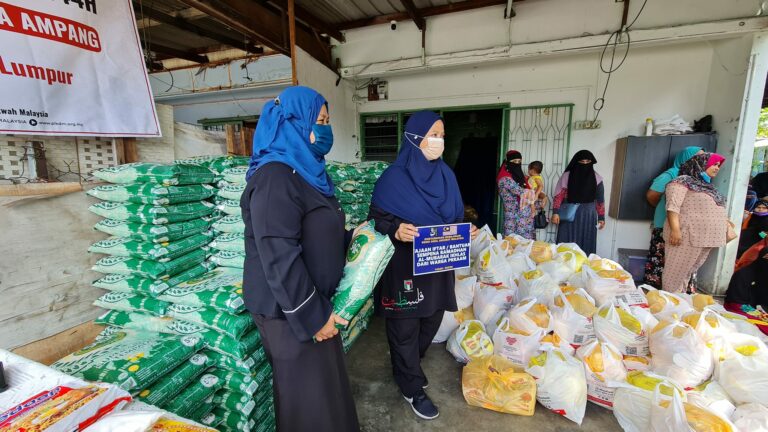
x=418 y=189
x=295 y=246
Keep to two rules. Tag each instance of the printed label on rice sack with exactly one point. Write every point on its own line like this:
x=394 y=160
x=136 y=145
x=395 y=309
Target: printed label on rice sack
x=172 y=384
x=598 y=392
x=237 y=381
x=230 y=224
x=235 y=401
x=631 y=297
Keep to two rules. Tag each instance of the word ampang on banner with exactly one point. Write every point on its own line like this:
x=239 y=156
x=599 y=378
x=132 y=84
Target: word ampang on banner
x=73 y=67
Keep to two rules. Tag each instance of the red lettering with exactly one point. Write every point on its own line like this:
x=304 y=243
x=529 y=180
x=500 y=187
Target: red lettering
x=63 y=30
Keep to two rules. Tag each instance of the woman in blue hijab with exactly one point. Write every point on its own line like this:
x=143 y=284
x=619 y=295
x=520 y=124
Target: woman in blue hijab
x=418 y=189
x=295 y=246
x=654 y=266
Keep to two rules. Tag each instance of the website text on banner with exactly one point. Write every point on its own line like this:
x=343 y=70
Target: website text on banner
x=441 y=248
x=73 y=68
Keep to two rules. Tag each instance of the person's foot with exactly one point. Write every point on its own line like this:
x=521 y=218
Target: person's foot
x=422 y=406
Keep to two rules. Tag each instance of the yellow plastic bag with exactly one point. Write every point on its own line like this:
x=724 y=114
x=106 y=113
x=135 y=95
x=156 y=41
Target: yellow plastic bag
x=493 y=383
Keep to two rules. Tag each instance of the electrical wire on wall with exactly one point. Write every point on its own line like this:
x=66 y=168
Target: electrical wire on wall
x=619 y=37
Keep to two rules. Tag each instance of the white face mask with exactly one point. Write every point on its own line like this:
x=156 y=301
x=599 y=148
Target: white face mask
x=435 y=148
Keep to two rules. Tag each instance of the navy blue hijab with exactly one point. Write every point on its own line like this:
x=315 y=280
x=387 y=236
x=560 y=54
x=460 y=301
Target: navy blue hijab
x=282 y=135
x=415 y=189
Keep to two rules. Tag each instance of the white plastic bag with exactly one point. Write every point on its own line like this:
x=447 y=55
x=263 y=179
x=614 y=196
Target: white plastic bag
x=670 y=418
x=514 y=345
x=465 y=294
x=604 y=285
x=577 y=329
x=713 y=397
x=709 y=324
x=540 y=251
x=559 y=269
x=680 y=353
x=530 y=316
x=609 y=328
x=491 y=266
x=741 y=367
x=469 y=342
x=560 y=384
x=665 y=305
x=489 y=300
x=539 y=285
x=481 y=242
x=751 y=417
x=520 y=263
x=633 y=398
x=603 y=366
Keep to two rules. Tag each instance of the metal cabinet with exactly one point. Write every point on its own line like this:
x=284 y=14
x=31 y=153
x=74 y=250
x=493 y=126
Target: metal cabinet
x=638 y=161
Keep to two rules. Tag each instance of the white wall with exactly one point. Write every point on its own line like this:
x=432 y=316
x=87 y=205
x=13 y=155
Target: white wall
x=343 y=112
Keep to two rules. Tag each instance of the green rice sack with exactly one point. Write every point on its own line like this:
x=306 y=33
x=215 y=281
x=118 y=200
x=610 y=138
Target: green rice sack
x=126 y=247
x=237 y=382
x=356 y=186
x=235 y=174
x=367 y=257
x=232 y=191
x=246 y=365
x=148 y=193
x=376 y=168
x=358 y=209
x=230 y=224
x=155 y=215
x=128 y=359
x=203 y=411
x=150 y=287
x=195 y=395
x=349 y=197
x=340 y=172
x=220 y=289
x=154 y=233
x=167 y=387
x=166 y=175
x=149 y=269
x=130 y=302
x=211 y=419
x=237 y=402
x=229 y=259
x=145 y=323
x=232 y=421
x=228 y=206
x=239 y=348
x=216 y=163
x=232 y=325
x=232 y=242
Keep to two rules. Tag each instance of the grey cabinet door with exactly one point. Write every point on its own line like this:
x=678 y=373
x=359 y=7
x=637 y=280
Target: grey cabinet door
x=679 y=142
x=646 y=157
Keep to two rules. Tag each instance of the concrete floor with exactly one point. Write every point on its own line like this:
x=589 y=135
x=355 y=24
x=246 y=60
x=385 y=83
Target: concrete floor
x=380 y=406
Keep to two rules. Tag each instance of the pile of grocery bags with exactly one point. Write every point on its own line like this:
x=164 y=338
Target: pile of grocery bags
x=547 y=323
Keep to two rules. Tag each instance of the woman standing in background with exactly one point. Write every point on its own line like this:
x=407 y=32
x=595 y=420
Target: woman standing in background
x=516 y=197
x=696 y=220
x=654 y=267
x=579 y=204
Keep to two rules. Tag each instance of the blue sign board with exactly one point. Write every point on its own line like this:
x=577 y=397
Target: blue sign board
x=441 y=248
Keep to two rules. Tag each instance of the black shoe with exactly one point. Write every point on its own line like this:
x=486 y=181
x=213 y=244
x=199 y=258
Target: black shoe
x=423 y=406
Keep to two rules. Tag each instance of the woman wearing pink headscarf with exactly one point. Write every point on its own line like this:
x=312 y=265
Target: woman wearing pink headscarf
x=696 y=220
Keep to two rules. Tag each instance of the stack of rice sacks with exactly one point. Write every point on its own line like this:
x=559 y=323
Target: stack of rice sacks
x=354 y=189
x=228 y=384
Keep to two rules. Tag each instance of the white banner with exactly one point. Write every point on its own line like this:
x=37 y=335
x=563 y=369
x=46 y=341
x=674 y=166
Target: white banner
x=73 y=67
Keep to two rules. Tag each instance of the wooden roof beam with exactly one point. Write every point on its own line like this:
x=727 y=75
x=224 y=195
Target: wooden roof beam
x=193 y=28
x=175 y=52
x=263 y=24
x=425 y=12
x=414 y=14
x=311 y=20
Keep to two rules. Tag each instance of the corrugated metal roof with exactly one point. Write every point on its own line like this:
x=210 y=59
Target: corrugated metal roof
x=342 y=11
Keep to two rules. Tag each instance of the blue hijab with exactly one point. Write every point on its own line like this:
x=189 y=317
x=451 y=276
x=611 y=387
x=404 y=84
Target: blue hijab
x=415 y=189
x=680 y=159
x=282 y=135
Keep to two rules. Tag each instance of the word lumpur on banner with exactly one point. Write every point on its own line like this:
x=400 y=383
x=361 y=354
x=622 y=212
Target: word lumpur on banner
x=52 y=76
x=58 y=29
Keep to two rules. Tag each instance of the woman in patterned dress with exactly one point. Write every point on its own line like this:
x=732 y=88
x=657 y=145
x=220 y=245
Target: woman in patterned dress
x=516 y=197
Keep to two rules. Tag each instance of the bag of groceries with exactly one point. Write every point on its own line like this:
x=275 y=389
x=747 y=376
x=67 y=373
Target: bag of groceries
x=709 y=324
x=560 y=384
x=517 y=346
x=530 y=316
x=712 y=396
x=603 y=366
x=465 y=292
x=673 y=415
x=619 y=326
x=491 y=266
x=493 y=383
x=572 y=317
x=481 y=242
x=741 y=367
x=470 y=342
x=520 y=263
x=680 y=354
x=665 y=305
x=490 y=300
x=633 y=398
x=541 y=252
x=537 y=284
